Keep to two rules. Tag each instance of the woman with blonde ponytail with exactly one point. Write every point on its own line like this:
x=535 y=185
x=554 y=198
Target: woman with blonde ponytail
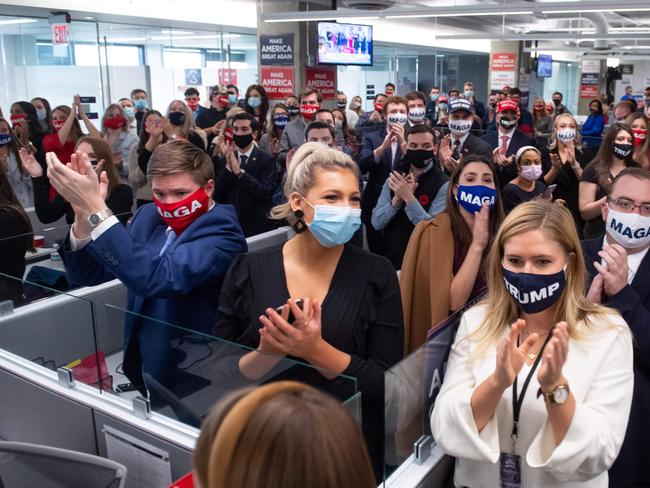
x=539 y=382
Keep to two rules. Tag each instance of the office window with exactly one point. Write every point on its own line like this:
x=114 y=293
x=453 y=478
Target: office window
x=182 y=58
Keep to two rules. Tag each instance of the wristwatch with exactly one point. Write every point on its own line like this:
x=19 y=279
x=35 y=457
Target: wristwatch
x=558 y=395
x=94 y=219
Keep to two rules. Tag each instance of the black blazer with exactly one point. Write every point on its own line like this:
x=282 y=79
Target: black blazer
x=519 y=140
x=633 y=302
x=476 y=145
x=377 y=171
x=251 y=193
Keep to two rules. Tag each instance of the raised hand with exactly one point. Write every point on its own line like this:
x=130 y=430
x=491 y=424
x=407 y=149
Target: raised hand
x=510 y=358
x=615 y=271
x=555 y=354
x=480 y=229
x=29 y=163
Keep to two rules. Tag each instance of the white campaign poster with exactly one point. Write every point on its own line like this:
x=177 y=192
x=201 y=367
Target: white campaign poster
x=502 y=78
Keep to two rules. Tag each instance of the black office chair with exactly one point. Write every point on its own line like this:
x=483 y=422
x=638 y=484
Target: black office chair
x=30 y=465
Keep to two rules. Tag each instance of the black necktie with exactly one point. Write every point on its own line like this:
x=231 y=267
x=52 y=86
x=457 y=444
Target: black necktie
x=456 y=153
x=242 y=160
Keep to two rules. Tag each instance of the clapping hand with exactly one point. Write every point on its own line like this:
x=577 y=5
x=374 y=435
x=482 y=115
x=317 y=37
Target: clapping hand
x=510 y=357
x=555 y=354
x=615 y=270
x=446 y=154
x=403 y=186
x=29 y=163
x=480 y=228
x=500 y=159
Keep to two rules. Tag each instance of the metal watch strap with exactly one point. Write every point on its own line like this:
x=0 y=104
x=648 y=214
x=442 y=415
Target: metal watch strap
x=101 y=215
x=550 y=396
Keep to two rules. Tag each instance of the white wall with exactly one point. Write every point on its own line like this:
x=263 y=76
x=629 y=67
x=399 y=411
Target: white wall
x=353 y=82
x=639 y=80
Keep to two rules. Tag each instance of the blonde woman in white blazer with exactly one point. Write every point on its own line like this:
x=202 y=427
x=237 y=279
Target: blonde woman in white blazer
x=536 y=324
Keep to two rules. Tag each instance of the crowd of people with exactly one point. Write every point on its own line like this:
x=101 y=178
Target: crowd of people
x=547 y=219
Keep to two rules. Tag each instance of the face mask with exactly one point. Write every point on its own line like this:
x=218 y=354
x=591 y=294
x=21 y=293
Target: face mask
x=140 y=104
x=340 y=104
x=434 y=97
x=307 y=110
x=417 y=114
x=442 y=106
x=379 y=106
x=493 y=104
x=630 y=230
x=539 y=108
x=280 y=121
x=338 y=123
x=534 y=292
x=232 y=99
x=532 y=172
x=18 y=119
x=128 y=111
x=254 y=102
x=460 y=127
x=418 y=157
x=41 y=113
x=396 y=119
x=5 y=139
x=177 y=118
x=114 y=122
x=468 y=93
x=389 y=93
x=472 y=198
x=292 y=110
x=566 y=135
x=621 y=151
x=58 y=124
x=640 y=136
x=242 y=141
x=507 y=123
x=355 y=105
x=334 y=225
x=223 y=99
x=181 y=214
x=557 y=102
x=193 y=104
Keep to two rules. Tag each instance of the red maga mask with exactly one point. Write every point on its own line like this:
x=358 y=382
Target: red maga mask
x=181 y=214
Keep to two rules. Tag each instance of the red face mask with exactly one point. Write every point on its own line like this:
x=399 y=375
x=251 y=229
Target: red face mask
x=539 y=108
x=115 y=122
x=58 y=124
x=223 y=100
x=640 y=136
x=181 y=214
x=193 y=104
x=379 y=106
x=307 y=110
x=18 y=119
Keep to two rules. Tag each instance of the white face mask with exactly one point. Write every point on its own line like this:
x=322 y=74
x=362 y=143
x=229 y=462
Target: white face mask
x=630 y=230
x=566 y=135
x=396 y=119
x=460 y=127
x=417 y=114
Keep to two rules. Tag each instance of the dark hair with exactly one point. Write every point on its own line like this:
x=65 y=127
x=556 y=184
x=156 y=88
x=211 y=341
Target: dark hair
x=514 y=91
x=75 y=133
x=344 y=125
x=48 y=111
x=8 y=200
x=389 y=84
x=322 y=111
x=379 y=95
x=264 y=108
x=255 y=125
x=308 y=91
x=135 y=91
x=233 y=86
x=421 y=129
x=144 y=135
x=599 y=110
x=14 y=146
x=102 y=150
x=459 y=228
x=33 y=126
x=558 y=93
x=272 y=129
x=454 y=90
x=604 y=156
x=317 y=124
x=416 y=95
x=635 y=172
x=191 y=91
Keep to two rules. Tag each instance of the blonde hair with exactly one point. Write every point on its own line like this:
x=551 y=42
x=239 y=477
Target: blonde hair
x=301 y=175
x=573 y=307
x=577 y=142
x=189 y=124
x=283 y=434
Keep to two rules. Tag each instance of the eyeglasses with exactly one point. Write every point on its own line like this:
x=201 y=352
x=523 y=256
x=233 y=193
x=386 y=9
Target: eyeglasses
x=627 y=206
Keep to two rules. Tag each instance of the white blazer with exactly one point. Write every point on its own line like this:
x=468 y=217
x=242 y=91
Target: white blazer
x=600 y=376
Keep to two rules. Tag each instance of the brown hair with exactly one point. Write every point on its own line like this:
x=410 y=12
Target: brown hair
x=283 y=434
x=603 y=159
x=638 y=173
x=14 y=146
x=177 y=157
x=640 y=153
x=8 y=200
x=393 y=99
x=308 y=91
x=75 y=131
x=125 y=124
x=102 y=150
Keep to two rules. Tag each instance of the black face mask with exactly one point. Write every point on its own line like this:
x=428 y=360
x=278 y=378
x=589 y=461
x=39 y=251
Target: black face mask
x=419 y=158
x=242 y=141
x=292 y=110
x=622 y=151
x=340 y=104
x=507 y=123
x=176 y=118
x=557 y=102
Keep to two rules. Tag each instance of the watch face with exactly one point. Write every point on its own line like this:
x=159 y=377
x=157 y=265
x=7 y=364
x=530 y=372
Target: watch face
x=561 y=395
x=93 y=219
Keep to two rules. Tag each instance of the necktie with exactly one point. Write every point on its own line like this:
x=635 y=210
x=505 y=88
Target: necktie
x=171 y=236
x=242 y=160
x=504 y=144
x=456 y=153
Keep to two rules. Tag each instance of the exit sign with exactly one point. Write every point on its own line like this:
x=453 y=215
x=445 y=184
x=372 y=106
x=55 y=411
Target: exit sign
x=59 y=34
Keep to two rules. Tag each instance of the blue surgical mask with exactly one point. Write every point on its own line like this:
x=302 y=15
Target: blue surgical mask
x=254 y=102
x=41 y=113
x=140 y=104
x=128 y=111
x=534 y=292
x=334 y=225
x=472 y=198
x=435 y=97
x=468 y=93
x=280 y=121
x=5 y=139
x=232 y=99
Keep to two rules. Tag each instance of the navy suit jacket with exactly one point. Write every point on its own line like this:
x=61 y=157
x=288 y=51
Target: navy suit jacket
x=633 y=302
x=519 y=140
x=181 y=287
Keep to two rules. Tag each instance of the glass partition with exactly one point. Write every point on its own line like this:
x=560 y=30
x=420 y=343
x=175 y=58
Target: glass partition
x=411 y=387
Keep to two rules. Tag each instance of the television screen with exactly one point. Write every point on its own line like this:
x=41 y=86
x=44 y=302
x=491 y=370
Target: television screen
x=544 y=66
x=344 y=44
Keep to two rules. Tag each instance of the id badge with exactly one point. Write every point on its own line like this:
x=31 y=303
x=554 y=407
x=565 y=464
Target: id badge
x=510 y=470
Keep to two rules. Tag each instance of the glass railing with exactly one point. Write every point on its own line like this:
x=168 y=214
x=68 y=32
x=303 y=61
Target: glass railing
x=411 y=388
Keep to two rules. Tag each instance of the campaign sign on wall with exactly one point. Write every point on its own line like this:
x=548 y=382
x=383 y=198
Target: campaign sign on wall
x=276 y=50
x=323 y=80
x=503 y=62
x=278 y=81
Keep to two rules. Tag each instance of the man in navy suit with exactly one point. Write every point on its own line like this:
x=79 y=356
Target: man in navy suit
x=246 y=177
x=618 y=268
x=507 y=140
x=380 y=154
x=172 y=259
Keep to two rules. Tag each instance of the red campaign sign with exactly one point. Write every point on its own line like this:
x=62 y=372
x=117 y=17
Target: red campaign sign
x=227 y=76
x=277 y=81
x=503 y=61
x=59 y=34
x=589 y=91
x=323 y=80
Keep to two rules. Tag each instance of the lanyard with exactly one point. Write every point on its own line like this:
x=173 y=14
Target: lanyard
x=518 y=402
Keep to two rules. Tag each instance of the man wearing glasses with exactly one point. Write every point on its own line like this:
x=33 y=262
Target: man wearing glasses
x=618 y=267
